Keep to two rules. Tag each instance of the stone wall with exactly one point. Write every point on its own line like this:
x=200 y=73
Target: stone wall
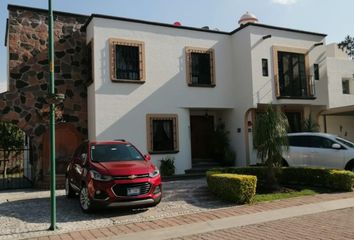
x=25 y=103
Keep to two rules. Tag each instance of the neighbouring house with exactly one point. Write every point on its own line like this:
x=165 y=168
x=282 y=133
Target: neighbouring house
x=165 y=87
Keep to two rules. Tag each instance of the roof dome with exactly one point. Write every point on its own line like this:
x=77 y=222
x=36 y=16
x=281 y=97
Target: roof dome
x=247 y=18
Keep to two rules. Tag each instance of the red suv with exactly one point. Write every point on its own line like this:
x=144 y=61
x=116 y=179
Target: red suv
x=112 y=173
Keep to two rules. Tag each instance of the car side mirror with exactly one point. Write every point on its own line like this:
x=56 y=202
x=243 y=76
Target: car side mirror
x=83 y=158
x=147 y=157
x=336 y=146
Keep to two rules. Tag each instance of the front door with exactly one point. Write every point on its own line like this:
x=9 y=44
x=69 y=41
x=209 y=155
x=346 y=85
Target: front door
x=295 y=121
x=202 y=128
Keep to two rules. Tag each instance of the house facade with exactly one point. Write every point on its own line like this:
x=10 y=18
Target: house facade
x=166 y=87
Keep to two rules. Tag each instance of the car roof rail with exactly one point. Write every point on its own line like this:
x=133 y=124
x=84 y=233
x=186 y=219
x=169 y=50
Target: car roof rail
x=120 y=139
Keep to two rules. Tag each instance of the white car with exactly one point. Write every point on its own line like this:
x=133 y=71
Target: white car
x=319 y=150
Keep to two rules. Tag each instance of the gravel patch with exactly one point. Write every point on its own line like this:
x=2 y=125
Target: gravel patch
x=25 y=214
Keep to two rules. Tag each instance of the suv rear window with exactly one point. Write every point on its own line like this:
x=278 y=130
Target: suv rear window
x=114 y=153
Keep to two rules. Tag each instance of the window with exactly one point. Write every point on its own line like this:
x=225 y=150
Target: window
x=299 y=141
x=162 y=133
x=345 y=86
x=127 y=61
x=316 y=71
x=321 y=142
x=265 y=67
x=345 y=142
x=291 y=73
x=200 y=67
x=114 y=153
x=310 y=141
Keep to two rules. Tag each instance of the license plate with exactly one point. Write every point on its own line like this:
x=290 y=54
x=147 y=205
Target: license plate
x=133 y=191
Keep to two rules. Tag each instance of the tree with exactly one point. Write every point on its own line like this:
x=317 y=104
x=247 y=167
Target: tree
x=11 y=139
x=347 y=45
x=309 y=125
x=270 y=140
x=221 y=150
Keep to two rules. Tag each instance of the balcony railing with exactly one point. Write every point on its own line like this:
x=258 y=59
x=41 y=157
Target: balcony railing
x=304 y=93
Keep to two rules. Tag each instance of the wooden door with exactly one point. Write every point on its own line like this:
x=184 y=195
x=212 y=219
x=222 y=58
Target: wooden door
x=202 y=128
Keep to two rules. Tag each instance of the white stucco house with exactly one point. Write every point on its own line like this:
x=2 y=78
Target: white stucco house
x=165 y=87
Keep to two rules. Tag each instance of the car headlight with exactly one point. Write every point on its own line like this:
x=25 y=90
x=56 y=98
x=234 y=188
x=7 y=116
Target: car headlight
x=99 y=177
x=154 y=173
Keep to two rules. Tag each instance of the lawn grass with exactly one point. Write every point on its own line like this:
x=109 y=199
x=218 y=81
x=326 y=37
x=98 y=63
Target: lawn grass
x=296 y=193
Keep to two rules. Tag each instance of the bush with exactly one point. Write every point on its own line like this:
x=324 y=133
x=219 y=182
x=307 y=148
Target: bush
x=167 y=166
x=232 y=187
x=259 y=172
x=311 y=177
x=316 y=177
x=341 y=180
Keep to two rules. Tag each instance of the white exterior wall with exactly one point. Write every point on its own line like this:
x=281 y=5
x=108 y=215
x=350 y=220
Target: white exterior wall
x=341 y=126
x=333 y=51
x=242 y=85
x=338 y=69
x=120 y=108
x=264 y=87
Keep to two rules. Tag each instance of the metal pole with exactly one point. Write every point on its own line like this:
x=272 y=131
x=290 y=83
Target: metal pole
x=51 y=92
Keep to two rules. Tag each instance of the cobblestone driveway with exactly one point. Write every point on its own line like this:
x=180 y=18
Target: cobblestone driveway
x=25 y=214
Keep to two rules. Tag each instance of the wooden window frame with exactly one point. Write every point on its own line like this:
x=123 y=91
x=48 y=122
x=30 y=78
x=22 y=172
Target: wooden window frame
x=112 y=56
x=188 y=53
x=149 y=132
x=303 y=51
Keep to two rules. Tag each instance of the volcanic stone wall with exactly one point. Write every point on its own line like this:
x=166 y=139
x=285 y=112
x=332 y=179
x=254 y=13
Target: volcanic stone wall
x=25 y=104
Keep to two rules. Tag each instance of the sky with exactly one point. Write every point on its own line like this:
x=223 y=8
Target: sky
x=334 y=18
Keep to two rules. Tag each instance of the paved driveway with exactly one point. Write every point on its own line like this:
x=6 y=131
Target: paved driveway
x=25 y=214
x=334 y=225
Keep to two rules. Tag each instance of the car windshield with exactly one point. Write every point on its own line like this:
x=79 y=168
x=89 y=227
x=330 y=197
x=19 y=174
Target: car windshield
x=345 y=142
x=114 y=153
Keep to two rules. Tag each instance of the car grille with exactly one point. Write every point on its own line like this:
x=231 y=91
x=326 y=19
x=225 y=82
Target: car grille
x=130 y=177
x=121 y=189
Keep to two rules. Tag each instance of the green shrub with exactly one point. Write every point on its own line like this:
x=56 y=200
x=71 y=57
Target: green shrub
x=311 y=177
x=232 y=187
x=259 y=172
x=167 y=166
x=316 y=177
x=341 y=180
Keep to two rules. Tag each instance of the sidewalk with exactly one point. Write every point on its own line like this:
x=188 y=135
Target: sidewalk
x=196 y=224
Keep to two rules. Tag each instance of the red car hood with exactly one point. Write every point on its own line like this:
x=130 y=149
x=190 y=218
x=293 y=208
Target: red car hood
x=124 y=168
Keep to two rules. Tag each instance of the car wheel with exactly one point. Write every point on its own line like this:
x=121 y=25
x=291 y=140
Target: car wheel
x=350 y=166
x=69 y=191
x=85 y=200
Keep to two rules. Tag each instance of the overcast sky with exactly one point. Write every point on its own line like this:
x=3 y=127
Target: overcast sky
x=334 y=18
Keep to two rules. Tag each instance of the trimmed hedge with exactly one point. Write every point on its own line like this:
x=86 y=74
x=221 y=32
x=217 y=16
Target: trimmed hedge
x=232 y=187
x=340 y=180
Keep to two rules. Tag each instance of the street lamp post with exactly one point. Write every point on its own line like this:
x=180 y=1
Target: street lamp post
x=51 y=93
